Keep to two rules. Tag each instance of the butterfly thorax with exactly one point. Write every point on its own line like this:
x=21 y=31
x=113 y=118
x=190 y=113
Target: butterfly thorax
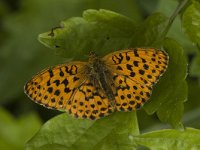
x=100 y=75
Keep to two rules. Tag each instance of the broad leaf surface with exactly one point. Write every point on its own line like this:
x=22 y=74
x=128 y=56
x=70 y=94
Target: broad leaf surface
x=66 y=132
x=170 y=139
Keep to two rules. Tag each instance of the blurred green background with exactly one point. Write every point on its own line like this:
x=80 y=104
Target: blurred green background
x=22 y=56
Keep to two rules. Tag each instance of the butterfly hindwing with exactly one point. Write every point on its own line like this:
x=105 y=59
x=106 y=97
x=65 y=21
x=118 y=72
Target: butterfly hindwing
x=89 y=102
x=130 y=94
x=53 y=87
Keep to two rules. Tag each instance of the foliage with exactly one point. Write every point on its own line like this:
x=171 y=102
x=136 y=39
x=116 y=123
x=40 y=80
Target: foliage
x=117 y=26
x=171 y=139
x=14 y=133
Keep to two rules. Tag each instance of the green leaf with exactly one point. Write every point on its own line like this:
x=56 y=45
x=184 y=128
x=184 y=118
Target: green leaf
x=192 y=109
x=171 y=110
x=14 y=133
x=170 y=139
x=171 y=91
x=101 y=31
x=193 y=95
x=195 y=67
x=148 y=33
x=65 y=132
x=175 y=31
x=191 y=21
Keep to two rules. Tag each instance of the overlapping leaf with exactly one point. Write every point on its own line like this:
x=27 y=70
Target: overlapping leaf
x=66 y=132
x=191 y=21
x=170 y=139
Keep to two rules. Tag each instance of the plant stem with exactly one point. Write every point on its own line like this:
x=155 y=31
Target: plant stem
x=172 y=18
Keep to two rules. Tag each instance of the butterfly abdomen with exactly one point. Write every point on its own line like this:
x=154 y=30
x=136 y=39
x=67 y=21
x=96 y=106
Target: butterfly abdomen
x=106 y=87
x=100 y=73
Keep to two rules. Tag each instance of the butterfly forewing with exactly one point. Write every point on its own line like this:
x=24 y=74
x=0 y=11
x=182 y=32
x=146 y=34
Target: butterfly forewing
x=53 y=87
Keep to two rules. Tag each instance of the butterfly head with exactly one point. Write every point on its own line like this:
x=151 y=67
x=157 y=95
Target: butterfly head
x=92 y=56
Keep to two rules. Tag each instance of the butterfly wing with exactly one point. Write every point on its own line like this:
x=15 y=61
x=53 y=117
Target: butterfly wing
x=134 y=73
x=66 y=87
x=53 y=87
x=130 y=95
x=89 y=101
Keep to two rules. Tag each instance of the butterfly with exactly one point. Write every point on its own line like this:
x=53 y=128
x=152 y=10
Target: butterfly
x=120 y=81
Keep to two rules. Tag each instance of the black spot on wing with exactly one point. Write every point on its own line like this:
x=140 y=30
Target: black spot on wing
x=61 y=73
x=136 y=53
x=132 y=74
x=50 y=89
x=57 y=92
x=127 y=57
x=57 y=82
x=117 y=59
x=119 y=68
x=146 y=67
x=72 y=70
x=141 y=72
x=65 y=82
x=50 y=73
x=135 y=63
x=75 y=79
x=67 y=90
x=129 y=67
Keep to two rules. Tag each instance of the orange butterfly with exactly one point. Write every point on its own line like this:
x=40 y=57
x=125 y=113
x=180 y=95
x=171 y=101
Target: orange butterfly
x=120 y=81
